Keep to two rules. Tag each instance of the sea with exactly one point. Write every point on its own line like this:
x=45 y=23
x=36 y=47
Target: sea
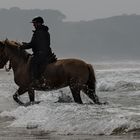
x=58 y=117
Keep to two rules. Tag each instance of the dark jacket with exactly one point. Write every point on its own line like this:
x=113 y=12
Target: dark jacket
x=40 y=42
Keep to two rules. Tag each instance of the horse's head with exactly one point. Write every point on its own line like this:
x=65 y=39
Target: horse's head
x=10 y=50
x=3 y=56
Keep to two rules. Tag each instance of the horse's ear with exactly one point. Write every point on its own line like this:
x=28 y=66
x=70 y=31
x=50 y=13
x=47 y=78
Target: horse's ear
x=6 y=41
x=6 y=38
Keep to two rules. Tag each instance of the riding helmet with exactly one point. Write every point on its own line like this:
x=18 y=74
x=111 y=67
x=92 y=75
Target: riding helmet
x=38 y=20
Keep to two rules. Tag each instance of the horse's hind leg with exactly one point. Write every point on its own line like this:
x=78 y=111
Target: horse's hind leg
x=31 y=94
x=76 y=94
x=19 y=92
x=92 y=95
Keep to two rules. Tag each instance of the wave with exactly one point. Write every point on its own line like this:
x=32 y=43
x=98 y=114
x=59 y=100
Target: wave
x=119 y=86
x=118 y=80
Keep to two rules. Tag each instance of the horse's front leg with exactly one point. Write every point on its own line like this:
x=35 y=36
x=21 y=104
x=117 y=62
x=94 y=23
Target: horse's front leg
x=31 y=94
x=19 y=92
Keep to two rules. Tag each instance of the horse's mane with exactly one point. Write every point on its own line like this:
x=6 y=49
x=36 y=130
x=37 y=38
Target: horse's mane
x=15 y=47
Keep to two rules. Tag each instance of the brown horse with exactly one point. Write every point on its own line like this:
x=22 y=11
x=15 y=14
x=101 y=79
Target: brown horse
x=74 y=73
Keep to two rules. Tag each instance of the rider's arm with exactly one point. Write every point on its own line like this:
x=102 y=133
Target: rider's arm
x=25 y=45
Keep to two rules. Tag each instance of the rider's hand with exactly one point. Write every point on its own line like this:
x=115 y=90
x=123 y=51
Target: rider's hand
x=23 y=45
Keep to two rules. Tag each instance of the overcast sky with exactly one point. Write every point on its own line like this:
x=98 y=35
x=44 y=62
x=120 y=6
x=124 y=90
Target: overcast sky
x=79 y=9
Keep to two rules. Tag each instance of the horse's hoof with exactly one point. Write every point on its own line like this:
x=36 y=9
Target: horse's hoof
x=17 y=100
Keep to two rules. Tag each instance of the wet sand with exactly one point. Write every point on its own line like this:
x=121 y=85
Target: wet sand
x=25 y=134
x=7 y=133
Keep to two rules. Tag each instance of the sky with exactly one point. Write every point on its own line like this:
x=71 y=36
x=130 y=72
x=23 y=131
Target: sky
x=76 y=10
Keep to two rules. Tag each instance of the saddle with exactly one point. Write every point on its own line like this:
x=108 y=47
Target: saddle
x=51 y=58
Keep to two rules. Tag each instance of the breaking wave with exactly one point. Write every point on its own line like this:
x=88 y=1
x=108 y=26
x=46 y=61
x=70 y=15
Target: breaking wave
x=118 y=80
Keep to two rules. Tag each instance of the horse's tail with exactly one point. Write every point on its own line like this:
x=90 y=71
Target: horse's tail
x=92 y=79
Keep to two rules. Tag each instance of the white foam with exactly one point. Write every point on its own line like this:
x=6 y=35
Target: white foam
x=64 y=118
x=120 y=80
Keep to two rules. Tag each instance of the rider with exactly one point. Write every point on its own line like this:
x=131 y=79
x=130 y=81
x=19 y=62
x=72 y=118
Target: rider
x=40 y=44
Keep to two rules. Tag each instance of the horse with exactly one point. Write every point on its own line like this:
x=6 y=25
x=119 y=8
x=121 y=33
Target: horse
x=75 y=73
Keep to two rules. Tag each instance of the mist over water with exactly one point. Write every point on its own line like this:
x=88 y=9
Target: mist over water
x=112 y=38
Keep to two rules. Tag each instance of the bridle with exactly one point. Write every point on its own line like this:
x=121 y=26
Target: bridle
x=4 y=61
